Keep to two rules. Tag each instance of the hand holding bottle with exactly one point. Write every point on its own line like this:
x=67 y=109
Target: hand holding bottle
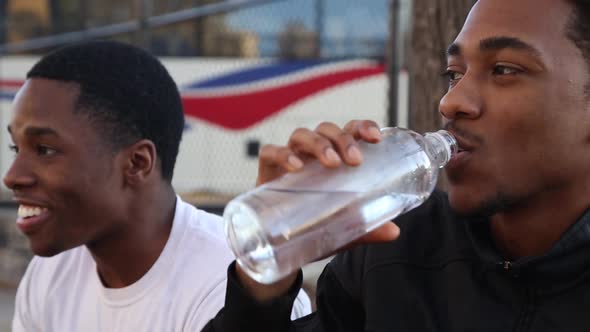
x=332 y=146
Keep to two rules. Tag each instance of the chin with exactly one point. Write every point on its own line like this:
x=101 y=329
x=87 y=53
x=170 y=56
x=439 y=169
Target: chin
x=466 y=203
x=462 y=208
x=45 y=250
x=478 y=204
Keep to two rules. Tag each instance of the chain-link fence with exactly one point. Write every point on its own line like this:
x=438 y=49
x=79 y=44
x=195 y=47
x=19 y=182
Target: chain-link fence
x=250 y=72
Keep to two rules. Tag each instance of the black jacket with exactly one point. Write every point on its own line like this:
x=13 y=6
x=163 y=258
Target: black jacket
x=442 y=274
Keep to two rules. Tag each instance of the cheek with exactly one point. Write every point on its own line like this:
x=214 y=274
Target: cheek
x=73 y=189
x=518 y=136
x=61 y=185
x=533 y=152
x=521 y=117
x=97 y=191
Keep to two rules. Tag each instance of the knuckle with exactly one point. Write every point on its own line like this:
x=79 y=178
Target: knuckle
x=267 y=151
x=283 y=153
x=345 y=136
x=298 y=137
x=351 y=125
x=368 y=123
x=344 y=139
x=320 y=142
x=266 y=148
x=300 y=132
x=325 y=125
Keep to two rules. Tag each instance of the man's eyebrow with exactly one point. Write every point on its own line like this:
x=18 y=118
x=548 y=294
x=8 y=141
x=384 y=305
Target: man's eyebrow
x=496 y=44
x=37 y=131
x=500 y=43
x=454 y=50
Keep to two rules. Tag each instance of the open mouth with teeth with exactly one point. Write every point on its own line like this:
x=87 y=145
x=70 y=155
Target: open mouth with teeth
x=26 y=211
x=31 y=217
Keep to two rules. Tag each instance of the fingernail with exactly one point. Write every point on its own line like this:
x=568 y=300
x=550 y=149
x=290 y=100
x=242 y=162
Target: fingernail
x=374 y=133
x=295 y=162
x=354 y=153
x=332 y=155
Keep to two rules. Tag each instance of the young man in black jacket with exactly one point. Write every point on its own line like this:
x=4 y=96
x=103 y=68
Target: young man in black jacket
x=508 y=248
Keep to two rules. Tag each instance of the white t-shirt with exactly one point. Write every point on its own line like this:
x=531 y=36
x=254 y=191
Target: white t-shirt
x=182 y=291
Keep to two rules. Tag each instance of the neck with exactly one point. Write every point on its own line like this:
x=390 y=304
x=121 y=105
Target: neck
x=127 y=254
x=533 y=227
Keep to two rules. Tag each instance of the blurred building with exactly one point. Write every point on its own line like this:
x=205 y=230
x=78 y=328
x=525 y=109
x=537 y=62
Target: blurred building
x=297 y=41
x=207 y=36
x=25 y=18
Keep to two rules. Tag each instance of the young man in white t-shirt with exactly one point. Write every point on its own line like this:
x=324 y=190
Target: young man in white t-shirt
x=96 y=129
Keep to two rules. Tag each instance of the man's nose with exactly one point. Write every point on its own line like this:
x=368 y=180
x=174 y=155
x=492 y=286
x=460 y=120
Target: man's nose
x=19 y=175
x=462 y=101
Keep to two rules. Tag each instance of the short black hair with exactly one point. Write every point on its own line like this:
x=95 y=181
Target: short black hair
x=125 y=91
x=578 y=29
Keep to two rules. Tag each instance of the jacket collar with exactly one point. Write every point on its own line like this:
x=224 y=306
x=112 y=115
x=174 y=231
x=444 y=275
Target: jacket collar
x=568 y=256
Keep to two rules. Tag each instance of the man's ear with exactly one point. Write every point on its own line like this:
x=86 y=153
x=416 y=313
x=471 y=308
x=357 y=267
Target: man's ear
x=140 y=163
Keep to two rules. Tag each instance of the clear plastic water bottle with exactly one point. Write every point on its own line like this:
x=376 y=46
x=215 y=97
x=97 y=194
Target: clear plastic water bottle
x=284 y=224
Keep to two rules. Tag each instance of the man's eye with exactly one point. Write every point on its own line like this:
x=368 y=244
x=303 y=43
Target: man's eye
x=13 y=148
x=505 y=70
x=43 y=150
x=452 y=76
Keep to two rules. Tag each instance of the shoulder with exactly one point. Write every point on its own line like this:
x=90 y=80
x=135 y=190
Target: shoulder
x=49 y=275
x=200 y=223
x=201 y=245
x=64 y=265
x=199 y=257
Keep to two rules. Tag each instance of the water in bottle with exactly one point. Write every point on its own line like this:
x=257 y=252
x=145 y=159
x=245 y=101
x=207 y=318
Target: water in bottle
x=300 y=217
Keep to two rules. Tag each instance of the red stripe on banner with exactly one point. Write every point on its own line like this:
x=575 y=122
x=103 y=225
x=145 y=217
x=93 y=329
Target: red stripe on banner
x=11 y=84
x=242 y=111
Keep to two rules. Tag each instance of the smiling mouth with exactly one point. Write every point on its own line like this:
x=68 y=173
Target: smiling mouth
x=29 y=211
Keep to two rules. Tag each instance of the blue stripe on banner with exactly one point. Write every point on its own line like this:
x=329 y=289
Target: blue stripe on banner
x=255 y=74
x=7 y=95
